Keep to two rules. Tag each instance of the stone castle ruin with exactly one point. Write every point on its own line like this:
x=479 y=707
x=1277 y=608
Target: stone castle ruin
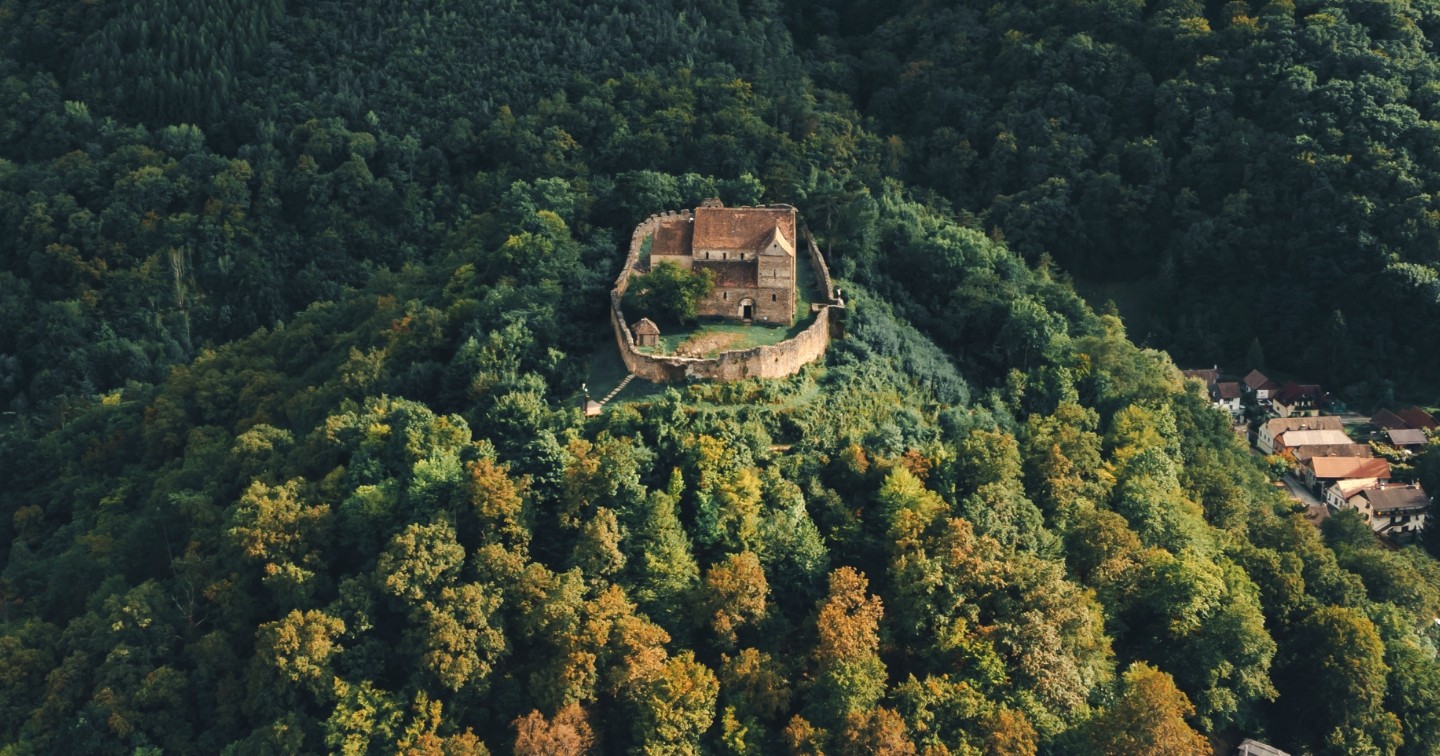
x=750 y=251
x=754 y=253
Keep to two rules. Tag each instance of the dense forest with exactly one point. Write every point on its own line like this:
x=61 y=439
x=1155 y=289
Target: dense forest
x=297 y=300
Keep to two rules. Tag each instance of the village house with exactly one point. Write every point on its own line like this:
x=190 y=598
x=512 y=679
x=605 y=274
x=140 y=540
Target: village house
x=1396 y=512
x=1298 y=400
x=1208 y=376
x=1407 y=439
x=1387 y=420
x=1302 y=453
x=1249 y=747
x=1256 y=383
x=1299 y=439
x=1340 y=492
x=749 y=250
x=1226 y=395
x=1320 y=473
x=1223 y=395
x=1417 y=418
x=1274 y=427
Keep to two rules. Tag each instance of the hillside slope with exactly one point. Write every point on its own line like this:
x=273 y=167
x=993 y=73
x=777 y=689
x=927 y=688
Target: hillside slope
x=1270 y=168
x=296 y=462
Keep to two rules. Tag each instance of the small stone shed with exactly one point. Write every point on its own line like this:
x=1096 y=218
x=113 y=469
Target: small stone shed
x=647 y=334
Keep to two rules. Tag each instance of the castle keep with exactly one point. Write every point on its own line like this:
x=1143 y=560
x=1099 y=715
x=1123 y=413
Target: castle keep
x=750 y=251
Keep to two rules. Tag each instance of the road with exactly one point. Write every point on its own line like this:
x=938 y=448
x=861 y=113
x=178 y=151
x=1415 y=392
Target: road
x=1315 y=510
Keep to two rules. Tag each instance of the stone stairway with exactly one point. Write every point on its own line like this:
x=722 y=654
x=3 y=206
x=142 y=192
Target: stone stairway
x=617 y=389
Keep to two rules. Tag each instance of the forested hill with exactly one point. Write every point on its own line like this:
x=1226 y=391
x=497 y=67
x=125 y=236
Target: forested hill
x=1264 y=172
x=296 y=303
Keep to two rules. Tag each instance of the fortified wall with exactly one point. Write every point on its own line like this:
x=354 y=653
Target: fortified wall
x=772 y=361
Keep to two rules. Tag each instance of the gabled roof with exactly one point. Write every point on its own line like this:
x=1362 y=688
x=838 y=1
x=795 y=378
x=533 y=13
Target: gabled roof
x=672 y=237
x=1293 y=392
x=1227 y=390
x=1418 y=418
x=1331 y=468
x=1387 y=419
x=1407 y=437
x=1391 y=498
x=1294 y=438
x=1257 y=381
x=1349 y=487
x=777 y=239
x=1250 y=747
x=1303 y=453
x=646 y=328
x=743 y=228
x=1279 y=425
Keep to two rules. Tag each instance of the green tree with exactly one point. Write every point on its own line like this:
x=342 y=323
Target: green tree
x=1149 y=717
x=1335 y=679
x=735 y=593
x=849 y=676
x=669 y=292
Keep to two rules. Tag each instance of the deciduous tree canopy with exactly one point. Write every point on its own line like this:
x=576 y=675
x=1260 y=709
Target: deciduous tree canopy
x=297 y=301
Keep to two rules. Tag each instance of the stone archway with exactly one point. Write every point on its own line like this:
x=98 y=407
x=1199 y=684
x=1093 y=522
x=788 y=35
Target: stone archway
x=747 y=309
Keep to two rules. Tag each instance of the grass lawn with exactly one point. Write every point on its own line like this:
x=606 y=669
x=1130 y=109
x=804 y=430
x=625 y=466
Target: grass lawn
x=707 y=339
x=643 y=259
x=807 y=292
x=711 y=336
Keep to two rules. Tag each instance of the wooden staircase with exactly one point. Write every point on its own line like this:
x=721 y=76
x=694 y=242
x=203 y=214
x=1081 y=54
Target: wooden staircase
x=617 y=389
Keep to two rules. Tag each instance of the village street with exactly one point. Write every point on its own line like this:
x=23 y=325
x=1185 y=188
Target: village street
x=1315 y=510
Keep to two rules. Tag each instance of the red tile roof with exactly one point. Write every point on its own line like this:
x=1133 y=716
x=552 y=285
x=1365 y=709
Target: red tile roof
x=1387 y=420
x=1292 y=392
x=1303 y=453
x=1257 y=381
x=744 y=228
x=1349 y=467
x=672 y=237
x=1228 y=390
x=1418 y=418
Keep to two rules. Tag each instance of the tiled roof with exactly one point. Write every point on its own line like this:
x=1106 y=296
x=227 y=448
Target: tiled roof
x=778 y=239
x=1351 y=486
x=1257 y=381
x=646 y=327
x=1418 y=418
x=1331 y=468
x=1303 y=453
x=744 y=228
x=1250 y=747
x=672 y=237
x=1296 y=438
x=1228 y=390
x=1293 y=392
x=1279 y=425
x=1397 y=497
x=1407 y=437
x=1387 y=419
